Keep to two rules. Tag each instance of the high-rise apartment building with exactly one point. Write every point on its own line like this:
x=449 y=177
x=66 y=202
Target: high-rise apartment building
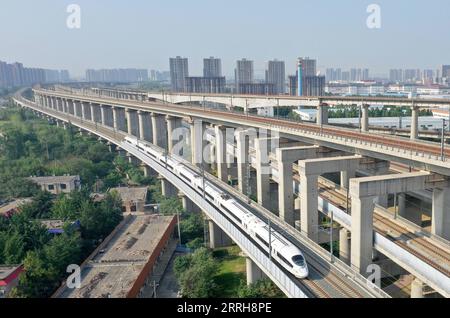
x=396 y=75
x=129 y=75
x=208 y=85
x=311 y=85
x=445 y=71
x=257 y=88
x=212 y=67
x=15 y=75
x=276 y=74
x=309 y=66
x=179 y=70
x=244 y=73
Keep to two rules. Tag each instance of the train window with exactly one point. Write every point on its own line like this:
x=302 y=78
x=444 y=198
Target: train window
x=231 y=214
x=225 y=196
x=209 y=196
x=298 y=260
x=262 y=240
x=281 y=257
x=186 y=178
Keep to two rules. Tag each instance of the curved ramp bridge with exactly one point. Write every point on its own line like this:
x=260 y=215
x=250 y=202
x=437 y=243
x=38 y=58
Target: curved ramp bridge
x=326 y=280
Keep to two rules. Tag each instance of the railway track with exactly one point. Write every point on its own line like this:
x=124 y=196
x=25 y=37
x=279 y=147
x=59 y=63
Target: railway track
x=419 y=240
x=326 y=284
x=334 y=280
x=339 y=199
x=385 y=140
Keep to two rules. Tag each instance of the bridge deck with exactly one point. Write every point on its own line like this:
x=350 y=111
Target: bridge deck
x=327 y=280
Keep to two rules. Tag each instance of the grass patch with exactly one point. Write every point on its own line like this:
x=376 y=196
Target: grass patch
x=231 y=270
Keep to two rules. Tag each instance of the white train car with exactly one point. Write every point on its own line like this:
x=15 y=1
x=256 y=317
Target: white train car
x=281 y=249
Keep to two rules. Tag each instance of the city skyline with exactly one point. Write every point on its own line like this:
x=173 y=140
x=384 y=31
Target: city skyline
x=45 y=41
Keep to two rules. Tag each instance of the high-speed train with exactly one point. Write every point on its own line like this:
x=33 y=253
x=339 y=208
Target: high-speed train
x=283 y=251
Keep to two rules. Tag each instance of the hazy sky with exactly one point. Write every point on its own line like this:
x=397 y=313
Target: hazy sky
x=145 y=33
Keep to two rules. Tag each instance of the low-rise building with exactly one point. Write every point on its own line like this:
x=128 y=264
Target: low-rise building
x=58 y=184
x=9 y=208
x=133 y=199
x=57 y=226
x=123 y=264
x=9 y=278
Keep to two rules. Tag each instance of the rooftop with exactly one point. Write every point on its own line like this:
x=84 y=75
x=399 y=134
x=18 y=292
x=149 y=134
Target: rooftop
x=131 y=194
x=12 y=205
x=55 y=179
x=111 y=270
x=9 y=273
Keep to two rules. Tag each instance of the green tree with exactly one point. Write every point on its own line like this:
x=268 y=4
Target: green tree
x=192 y=228
x=40 y=206
x=197 y=276
x=14 y=249
x=263 y=288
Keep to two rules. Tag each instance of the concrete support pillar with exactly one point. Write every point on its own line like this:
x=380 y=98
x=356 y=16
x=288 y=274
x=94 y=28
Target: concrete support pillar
x=346 y=176
x=440 y=219
x=188 y=205
x=221 y=153
x=159 y=130
x=84 y=111
x=285 y=192
x=129 y=116
x=168 y=190
x=415 y=123
x=322 y=114
x=148 y=172
x=382 y=200
x=401 y=204
x=103 y=114
x=173 y=134
x=309 y=210
x=93 y=113
x=76 y=110
x=285 y=159
x=262 y=172
x=116 y=115
x=198 y=141
x=362 y=233
x=254 y=273
x=365 y=118
x=344 y=246
x=71 y=104
x=217 y=237
x=417 y=288
x=142 y=128
x=243 y=164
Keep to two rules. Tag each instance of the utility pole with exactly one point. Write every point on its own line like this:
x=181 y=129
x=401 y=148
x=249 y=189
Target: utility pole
x=331 y=238
x=270 y=239
x=359 y=117
x=395 y=206
x=443 y=140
